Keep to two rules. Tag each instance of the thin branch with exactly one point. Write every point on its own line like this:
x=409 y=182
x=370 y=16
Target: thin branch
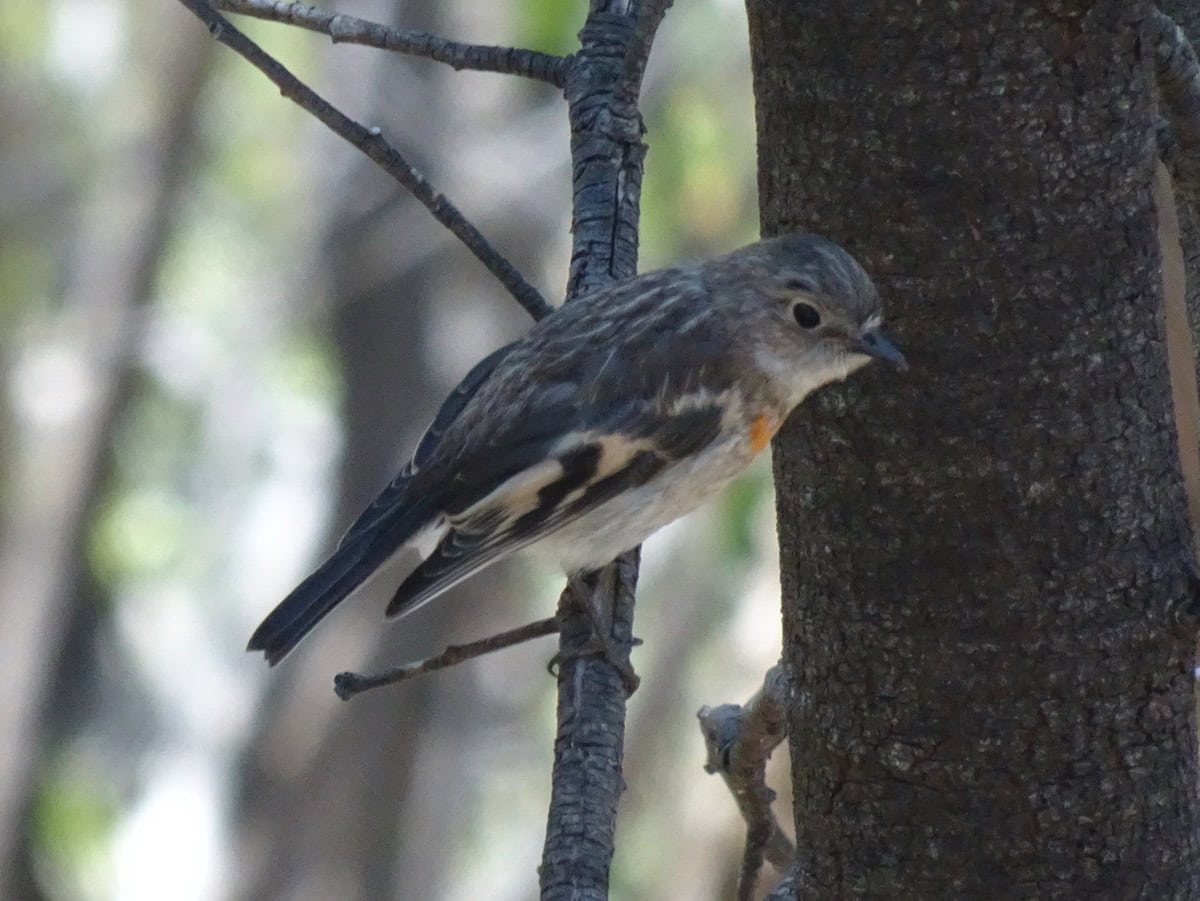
x=371 y=142
x=347 y=685
x=637 y=53
x=530 y=64
x=1177 y=72
x=739 y=742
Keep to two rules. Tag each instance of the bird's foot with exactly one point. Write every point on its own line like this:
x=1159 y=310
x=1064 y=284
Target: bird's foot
x=616 y=654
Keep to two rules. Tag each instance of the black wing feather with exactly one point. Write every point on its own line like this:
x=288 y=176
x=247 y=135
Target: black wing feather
x=392 y=496
x=347 y=568
x=453 y=405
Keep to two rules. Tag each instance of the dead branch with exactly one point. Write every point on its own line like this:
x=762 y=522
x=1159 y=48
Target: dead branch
x=347 y=685
x=345 y=29
x=740 y=740
x=371 y=142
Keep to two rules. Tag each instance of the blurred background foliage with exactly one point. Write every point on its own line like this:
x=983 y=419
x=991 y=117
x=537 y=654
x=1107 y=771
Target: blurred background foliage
x=220 y=331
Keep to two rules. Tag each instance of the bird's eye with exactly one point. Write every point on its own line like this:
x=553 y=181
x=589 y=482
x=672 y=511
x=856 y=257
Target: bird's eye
x=807 y=316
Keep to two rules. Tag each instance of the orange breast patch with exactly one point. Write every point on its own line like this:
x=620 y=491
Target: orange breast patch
x=762 y=430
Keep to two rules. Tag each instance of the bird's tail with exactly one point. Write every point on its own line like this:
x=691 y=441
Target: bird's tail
x=354 y=561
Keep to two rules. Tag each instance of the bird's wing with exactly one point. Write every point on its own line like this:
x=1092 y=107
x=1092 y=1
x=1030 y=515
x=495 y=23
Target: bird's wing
x=392 y=520
x=491 y=518
x=391 y=498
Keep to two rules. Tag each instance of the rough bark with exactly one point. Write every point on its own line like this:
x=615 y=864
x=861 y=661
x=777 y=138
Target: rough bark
x=985 y=563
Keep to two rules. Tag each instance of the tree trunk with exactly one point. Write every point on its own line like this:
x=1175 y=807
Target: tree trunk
x=988 y=608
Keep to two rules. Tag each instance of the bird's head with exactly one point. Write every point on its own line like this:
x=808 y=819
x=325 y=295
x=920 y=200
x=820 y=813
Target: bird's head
x=809 y=312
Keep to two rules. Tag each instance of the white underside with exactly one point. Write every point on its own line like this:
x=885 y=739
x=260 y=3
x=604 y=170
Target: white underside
x=626 y=521
x=630 y=518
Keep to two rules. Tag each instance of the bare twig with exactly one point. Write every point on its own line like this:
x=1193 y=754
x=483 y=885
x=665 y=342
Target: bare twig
x=739 y=742
x=352 y=30
x=370 y=142
x=650 y=16
x=347 y=685
x=1177 y=73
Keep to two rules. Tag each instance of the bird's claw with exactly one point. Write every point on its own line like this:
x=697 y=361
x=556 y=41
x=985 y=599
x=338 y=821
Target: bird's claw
x=616 y=655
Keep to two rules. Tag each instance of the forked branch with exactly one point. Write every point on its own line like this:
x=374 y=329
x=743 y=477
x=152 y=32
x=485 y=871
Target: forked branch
x=740 y=740
x=340 y=28
x=371 y=142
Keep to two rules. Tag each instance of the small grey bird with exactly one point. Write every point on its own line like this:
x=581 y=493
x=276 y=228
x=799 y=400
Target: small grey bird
x=611 y=417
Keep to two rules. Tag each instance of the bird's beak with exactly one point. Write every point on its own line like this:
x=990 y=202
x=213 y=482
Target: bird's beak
x=873 y=343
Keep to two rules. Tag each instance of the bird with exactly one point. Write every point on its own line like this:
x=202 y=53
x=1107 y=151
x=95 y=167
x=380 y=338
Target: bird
x=612 y=416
